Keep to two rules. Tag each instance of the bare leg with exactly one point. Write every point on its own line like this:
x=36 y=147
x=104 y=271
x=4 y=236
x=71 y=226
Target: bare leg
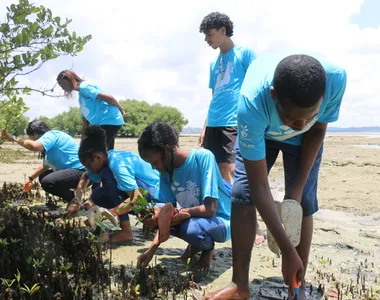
x=123 y=235
x=189 y=253
x=225 y=171
x=243 y=229
x=231 y=168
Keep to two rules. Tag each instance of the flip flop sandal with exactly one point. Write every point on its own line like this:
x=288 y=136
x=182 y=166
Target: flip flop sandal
x=179 y=218
x=272 y=245
x=114 y=219
x=291 y=217
x=164 y=219
x=94 y=214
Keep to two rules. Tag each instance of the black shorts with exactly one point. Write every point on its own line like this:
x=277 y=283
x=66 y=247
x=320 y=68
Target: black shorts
x=221 y=142
x=111 y=131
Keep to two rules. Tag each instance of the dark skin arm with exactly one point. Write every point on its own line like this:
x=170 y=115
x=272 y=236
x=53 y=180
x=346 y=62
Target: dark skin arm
x=110 y=100
x=311 y=143
x=85 y=124
x=260 y=191
x=206 y=210
x=127 y=205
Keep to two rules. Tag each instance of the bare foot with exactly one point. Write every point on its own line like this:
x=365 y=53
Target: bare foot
x=189 y=253
x=259 y=239
x=202 y=267
x=231 y=291
x=121 y=236
x=205 y=259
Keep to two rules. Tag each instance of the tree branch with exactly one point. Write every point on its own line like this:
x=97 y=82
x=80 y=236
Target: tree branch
x=43 y=92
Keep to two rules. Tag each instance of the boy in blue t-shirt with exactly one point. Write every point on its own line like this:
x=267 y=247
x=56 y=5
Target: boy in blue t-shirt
x=285 y=105
x=227 y=73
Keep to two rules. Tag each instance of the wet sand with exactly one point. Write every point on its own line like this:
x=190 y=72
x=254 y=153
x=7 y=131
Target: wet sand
x=346 y=242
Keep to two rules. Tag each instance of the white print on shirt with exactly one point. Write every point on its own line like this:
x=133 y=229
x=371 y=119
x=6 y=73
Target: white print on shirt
x=83 y=108
x=189 y=196
x=288 y=133
x=223 y=80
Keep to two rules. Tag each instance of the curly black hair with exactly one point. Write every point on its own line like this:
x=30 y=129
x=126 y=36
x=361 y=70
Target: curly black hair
x=94 y=142
x=155 y=137
x=299 y=79
x=217 y=20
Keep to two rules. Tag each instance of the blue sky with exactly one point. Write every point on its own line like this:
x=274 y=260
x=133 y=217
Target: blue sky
x=152 y=50
x=369 y=16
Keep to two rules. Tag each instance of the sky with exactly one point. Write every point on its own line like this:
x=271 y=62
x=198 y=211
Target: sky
x=153 y=51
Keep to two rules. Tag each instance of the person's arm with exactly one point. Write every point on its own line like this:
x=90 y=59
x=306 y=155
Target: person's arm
x=27 y=144
x=84 y=181
x=311 y=144
x=202 y=135
x=144 y=259
x=110 y=100
x=37 y=172
x=206 y=210
x=128 y=204
x=260 y=191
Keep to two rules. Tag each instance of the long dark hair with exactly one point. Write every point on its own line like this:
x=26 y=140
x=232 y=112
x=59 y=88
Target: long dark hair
x=40 y=128
x=155 y=137
x=70 y=76
x=95 y=142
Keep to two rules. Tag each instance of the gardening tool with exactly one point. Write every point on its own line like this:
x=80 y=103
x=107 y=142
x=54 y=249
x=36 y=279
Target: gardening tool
x=296 y=288
x=27 y=188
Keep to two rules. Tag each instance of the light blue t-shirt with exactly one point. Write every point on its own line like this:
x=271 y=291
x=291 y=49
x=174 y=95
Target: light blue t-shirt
x=258 y=118
x=131 y=171
x=227 y=73
x=94 y=177
x=197 y=179
x=97 y=112
x=61 y=151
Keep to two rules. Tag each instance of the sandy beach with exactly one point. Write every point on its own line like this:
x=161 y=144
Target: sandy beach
x=345 y=253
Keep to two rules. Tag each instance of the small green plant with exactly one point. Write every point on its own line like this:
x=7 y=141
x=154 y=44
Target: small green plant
x=109 y=226
x=66 y=267
x=35 y=288
x=18 y=278
x=140 y=206
x=8 y=282
x=38 y=263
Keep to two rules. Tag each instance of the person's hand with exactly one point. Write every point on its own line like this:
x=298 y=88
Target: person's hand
x=292 y=267
x=201 y=137
x=5 y=135
x=144 y=259
x=150 y=222
x=122 y=112
x=28 y=185
x=72 y=209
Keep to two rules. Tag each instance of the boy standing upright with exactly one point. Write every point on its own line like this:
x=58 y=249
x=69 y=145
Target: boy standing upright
x=227 y=73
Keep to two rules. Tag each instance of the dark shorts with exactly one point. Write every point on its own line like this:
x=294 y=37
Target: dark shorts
x=109 y=196
x=111 y=131
x=291 y=159
x=221 y=141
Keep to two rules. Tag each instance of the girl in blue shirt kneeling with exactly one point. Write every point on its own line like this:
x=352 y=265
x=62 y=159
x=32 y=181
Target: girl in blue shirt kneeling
x=191 y=185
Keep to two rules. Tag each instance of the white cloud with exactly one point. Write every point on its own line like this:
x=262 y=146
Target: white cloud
x=152 y=50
